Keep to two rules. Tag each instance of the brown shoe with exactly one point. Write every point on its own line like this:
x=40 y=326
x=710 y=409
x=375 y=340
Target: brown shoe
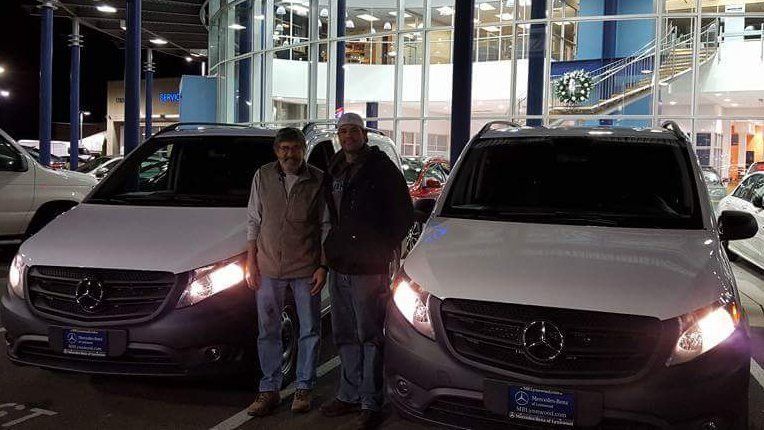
x=336 y=408
x=264 y=403
x=301 y=401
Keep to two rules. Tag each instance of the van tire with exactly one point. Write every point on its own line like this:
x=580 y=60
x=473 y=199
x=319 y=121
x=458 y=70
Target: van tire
x=290 y=336
x=45 y=214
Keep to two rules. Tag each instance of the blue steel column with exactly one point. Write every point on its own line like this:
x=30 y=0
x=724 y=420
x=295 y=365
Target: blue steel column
x=340 y=84
x=133 y=76
x=46 y=79
x=536 y=59
x=461 y=95
x=149 y=69
x=75 y=41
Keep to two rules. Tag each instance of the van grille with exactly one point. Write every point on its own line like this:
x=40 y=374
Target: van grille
x=596 y=345
x=127 y=294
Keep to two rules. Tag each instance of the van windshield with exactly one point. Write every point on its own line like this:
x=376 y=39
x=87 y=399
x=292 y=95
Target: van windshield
x=621 y=182
x=188 y=171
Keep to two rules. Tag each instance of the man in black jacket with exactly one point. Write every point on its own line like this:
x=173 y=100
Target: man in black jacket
x=370 y=211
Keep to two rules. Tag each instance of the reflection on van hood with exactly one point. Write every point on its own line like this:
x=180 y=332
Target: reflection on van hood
x=171 y=239
x=658 y=273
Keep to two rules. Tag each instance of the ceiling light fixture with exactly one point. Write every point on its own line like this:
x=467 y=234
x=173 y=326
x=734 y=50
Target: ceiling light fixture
x=5 y=93
x=189 y=59
x=486 y=7
x=105 y=8
x=367 y=17
x=158 y=41
x=405 y=14
x=324 y=13
x=445 y=11
x=504 y=16
x=349 y=24
x=281 y=10
x=236 y=27
x=388 y=26
x=492 y=29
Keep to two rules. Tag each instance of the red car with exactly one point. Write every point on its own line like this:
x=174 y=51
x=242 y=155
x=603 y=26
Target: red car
x=756 y=167
x=425 y=176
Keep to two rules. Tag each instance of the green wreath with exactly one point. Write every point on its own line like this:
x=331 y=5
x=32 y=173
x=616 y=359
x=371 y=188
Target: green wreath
x=574 y=87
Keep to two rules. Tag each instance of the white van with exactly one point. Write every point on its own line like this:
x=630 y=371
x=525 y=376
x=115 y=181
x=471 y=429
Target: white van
x=553 y=286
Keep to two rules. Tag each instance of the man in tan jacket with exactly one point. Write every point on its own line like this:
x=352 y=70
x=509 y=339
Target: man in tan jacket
x=285 y=227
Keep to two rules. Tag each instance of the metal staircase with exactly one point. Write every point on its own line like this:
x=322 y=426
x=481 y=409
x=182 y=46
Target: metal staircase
x=619 y=83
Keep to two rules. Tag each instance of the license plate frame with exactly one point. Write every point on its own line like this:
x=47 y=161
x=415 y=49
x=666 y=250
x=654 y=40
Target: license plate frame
x=541 y=405
x=85 y=342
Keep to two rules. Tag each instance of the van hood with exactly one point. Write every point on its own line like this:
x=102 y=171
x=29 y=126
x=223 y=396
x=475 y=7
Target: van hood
x=656 y=273
x=170 y=239
x=65 y=178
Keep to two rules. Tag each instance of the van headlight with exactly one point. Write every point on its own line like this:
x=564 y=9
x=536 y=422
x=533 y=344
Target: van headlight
x=16 y=276
x=413 y=303
x=207 y=281
x=704 y=329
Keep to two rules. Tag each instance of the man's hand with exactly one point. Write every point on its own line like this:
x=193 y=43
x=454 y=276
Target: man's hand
x=318 y=282
x=252 y=272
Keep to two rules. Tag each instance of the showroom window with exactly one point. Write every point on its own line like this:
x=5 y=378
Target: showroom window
x=630 y=63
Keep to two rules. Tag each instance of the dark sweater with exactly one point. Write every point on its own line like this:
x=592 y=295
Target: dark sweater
x=373 y=217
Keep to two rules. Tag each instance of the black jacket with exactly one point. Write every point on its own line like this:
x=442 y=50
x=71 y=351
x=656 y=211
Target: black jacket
x=374 y=216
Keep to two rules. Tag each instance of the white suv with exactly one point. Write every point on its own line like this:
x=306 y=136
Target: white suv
x=32 y=195
x=535 y=298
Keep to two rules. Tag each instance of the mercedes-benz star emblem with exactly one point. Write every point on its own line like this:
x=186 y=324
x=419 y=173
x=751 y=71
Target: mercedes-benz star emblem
x=89 y=294
x=543 y=341
x=521 y=398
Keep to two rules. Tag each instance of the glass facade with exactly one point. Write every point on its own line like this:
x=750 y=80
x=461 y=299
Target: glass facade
x=632 y=63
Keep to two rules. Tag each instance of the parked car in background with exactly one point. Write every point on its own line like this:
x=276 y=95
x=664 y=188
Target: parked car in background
x=99 y=167
x=425 y=178
x=33 y=195
x=716 y=188
x=60 y=149
x=755 y=167
x=528 y=303
x=56 y=162
x=747 y=197
x=166 y=293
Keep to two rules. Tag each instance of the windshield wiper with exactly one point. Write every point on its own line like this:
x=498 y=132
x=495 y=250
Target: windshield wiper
x=108 y=200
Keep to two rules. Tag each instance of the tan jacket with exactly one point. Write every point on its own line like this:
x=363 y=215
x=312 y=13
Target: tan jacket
x=290 y=226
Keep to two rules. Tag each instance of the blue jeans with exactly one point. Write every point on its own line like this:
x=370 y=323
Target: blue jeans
x=358 y=317
x=270 y=303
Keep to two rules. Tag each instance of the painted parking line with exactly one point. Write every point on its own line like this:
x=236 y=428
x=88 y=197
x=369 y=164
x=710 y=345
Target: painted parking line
x=240 y=418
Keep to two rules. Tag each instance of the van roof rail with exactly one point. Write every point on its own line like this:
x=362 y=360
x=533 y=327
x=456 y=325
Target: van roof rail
x=176 y=126
x=489 y=126
x=673 y=127
x=312 y=125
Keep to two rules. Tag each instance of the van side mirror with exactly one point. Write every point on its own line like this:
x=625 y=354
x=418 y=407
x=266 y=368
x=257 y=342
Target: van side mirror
x=736 y=225
x=423 y=209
